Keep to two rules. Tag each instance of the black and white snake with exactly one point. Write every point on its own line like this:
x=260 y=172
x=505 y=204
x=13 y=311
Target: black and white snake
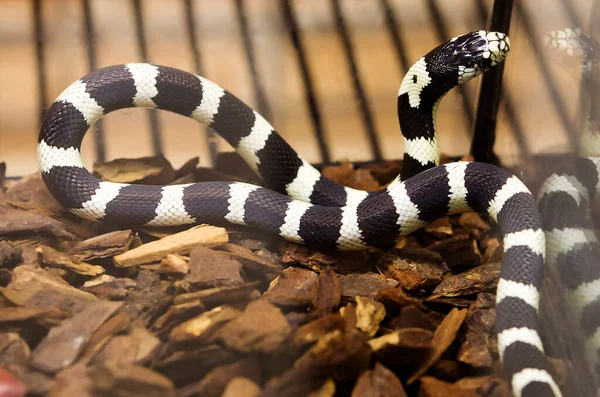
x=299 y=203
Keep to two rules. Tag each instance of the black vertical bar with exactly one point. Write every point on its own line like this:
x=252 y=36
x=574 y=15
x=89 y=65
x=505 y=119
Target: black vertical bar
x=141 y=39
x=359 y=91
x=259 y=93
x=482 y=145
x=38 y=34
x=550 y=84
x=443 y=34
x=391 y=23
x=88 y=25
x=190 y=23
x=294 y=32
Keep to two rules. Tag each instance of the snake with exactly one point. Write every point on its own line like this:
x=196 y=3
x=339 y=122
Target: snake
x=297 y=202
x=573 y=250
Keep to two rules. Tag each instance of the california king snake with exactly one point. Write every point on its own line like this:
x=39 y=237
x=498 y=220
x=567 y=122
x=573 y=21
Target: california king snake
x=301 y=205
x=573 y=250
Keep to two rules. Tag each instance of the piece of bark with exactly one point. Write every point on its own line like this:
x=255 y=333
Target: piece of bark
x=440 y=227
x=187 y=167
x=260 y=328
x=251 y=261
x=209 y=268
x=50 y=257
x=220 y=295
x=47 y=316
x=480 y=385
x=174 y=263
x=19 y=222
x=293 y=288
x=38 y=383
x=180 y=243
x=443 y=336
x=432 y=387
x=378 y=382
x=310 y=333
x=335 y=353
x=459 y=252
x=147 y=300
x=144 y=170
x=479 y=323
x=345 y=174
x=14 y=353
x=252 y=244
x=328 y=293
x=493 y=251
x=10 y=386
x=113 y=326
x=177 y=314
x=474 y=224
x=367 y=284
x=472 y=281
x=415 y=269
x=402 y=349
x=103 y=246
x=73 y=381
x=369 y=313
x=63 y=344
x=10 y=255
x=5 y=277
x=327 y=389
x=411 y=317
x=341 y=262
x=214 y=383
x=30 y=193
x=241 y=387
x=203 y=327
x=35 y=287
x=136 y=347
x=348 y=312
x=109 y=287
x=130 y=381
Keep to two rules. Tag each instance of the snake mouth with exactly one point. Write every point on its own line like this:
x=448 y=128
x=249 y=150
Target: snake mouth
x=474 y=53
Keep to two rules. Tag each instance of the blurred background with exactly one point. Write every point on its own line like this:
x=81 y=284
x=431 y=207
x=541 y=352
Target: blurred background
x=324 y=73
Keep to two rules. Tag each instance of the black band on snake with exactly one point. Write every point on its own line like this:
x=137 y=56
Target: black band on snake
x=301 y=205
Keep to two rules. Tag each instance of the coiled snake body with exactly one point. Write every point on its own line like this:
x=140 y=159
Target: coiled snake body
x=299 y=203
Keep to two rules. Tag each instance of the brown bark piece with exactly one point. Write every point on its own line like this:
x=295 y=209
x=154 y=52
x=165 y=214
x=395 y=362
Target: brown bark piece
x=147 y=300
x=73 y=381
x=411 y=317
x=130 y=381
x=113 y=326
x=369 y=313
x=241 y=387
x=103 y=246
x=178 y=243
x=415 y=269
x=251 y=261
x=328 y=293
x=145 y=170
x=472 y=281
x=17 y=221
x=480 y=385
x=31 y=193
x=345 y=174
x=432 y=387
x=137 y=347
x=260 y=328
x=210 y=268
x=10 y=255
x=340 y=262
x=293 y=288
x=174 y=264
x=52 y=258
x=459 y=252
x=367 y=284
x=442 y=338
x=202 y=328
x=43 y=315
x=109 y=287
x=220 y=295
x=310 y=332
x=474 y=223
x=378 y=382
x=14 y=353
x=35 y=287
x=479 y=324
x=440 y=227
x=215 y=382
x=63 y=344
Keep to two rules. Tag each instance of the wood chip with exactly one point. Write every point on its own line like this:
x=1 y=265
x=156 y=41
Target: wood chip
x=241 y=387
x=260 y=328
x=472 y=281
x=218 y=296
x=65 y=342
x=209 y=268
x=174 y=264
x=130 y=381
x=415 y=269
x=145 y=170
x=203 y=327
x=215 y=382
x=53 y=258
x=10 y=255
x=378 y=382
x=16 y=221
x=432 y=387
x=109 y=287
x=103 y=246
x=328 y=293
x=367 y=284
x=293 y=288
x=180 y=243
x=459 y=252
x=369 y=313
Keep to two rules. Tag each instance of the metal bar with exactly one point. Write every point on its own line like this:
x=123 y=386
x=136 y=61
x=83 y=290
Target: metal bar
x=296 y=38
x=38 y=34
x=88 y=24
x=443 y=34
x=550 y=84
x=572 y=14
x=141 y=40
x=190 y=23
x=391 y=23
x=361 y=95
x=259 y=93
x=492 y=94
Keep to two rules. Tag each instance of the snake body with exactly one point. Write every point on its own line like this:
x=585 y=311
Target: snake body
x=301 y=205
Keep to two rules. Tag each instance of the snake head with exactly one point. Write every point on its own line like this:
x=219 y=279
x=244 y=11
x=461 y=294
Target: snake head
x=465 y=57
